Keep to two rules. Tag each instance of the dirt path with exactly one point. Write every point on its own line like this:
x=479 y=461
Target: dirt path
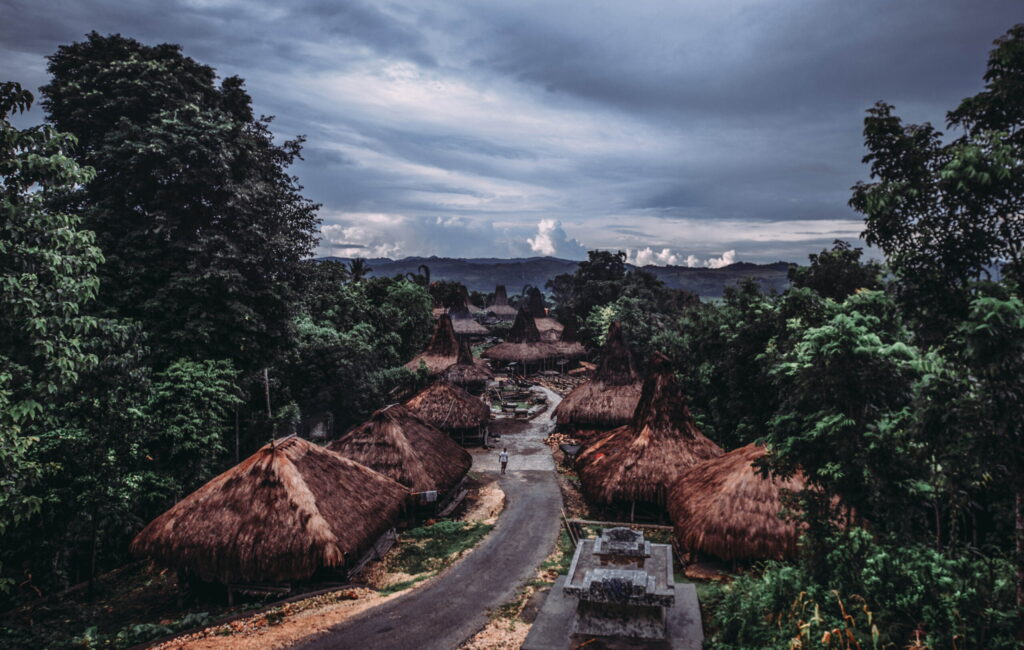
x=449 y=610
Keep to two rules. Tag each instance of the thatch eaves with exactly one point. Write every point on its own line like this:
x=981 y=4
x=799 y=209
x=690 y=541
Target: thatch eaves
x=523 y=344
x=610 y=398
x=642 y=460
x=567 y=345
x=727 y=508
x=397 y=443
x=289 y=509
x=467 y=372
x=441 y=352
x=499 y=305
x=449 y=408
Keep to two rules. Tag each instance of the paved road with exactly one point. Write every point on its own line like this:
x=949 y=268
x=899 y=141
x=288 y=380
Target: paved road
x=453 y=607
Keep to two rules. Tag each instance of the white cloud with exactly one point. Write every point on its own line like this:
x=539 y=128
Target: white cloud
x=665 y=257
x=727 y=258
x=551 y=240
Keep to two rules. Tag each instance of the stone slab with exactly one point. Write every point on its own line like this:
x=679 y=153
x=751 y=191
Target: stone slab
x=551 y=630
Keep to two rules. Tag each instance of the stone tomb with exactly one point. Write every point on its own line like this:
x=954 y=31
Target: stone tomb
x=623 y=583
x=619 y=594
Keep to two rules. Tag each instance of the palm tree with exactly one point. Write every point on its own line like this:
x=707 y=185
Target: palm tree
x=358 y=269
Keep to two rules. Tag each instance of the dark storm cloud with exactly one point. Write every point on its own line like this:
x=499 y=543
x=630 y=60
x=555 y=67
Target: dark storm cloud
x=507 y=128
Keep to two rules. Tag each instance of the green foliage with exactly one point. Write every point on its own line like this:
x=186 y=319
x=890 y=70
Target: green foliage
x=432 y=547
x=202 y=227
x=47 y=277
x=837 y=273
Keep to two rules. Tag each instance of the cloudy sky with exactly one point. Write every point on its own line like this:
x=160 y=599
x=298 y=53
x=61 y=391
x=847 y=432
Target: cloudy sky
x=689 y=132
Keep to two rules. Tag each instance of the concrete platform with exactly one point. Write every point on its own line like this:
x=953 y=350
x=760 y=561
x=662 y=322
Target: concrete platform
x=554 y=622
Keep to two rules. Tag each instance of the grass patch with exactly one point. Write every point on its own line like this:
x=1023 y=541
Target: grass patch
x=431 y=548
x=405 y=584
x=561 y=560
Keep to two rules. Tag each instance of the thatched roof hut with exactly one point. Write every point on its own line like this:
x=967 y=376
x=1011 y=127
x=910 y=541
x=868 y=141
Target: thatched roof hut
x=468 y=373
x=464 y=324
x=441 y=352
x=549 y=328
x=725 y=507
x=642 y=460
x=610 y=398
x=569 y=347
x=279 y=515
x=450 y=408
x=523 y=344
x=499 y=306
x=400 y=445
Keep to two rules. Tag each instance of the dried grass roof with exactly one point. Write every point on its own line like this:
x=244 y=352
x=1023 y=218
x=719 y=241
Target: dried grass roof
x=499 y=306
x=610 y=398
x=442 y=351
x=642 y=460
x=469 y=327
x=279 y=515
x=467 y=371
x=449 y=407
x=535 y=303
x=523 y=344
x=400 y=445
x=567 y=344
x=725 y=507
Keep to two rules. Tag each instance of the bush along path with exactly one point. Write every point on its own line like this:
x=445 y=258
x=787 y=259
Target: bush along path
x=458 y=603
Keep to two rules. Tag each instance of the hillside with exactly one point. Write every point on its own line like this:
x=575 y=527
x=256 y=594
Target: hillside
x=482 y=274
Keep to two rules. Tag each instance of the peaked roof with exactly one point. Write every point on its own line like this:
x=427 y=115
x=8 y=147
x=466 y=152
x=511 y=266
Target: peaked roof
x=535 y=303
x=727 y=508
x=567 y=344
x=449 y=407
x=279 y=515
x=441 y=352
x=523 y=344
x=466 y=371
x=397 y=443
x=499 y=306
x=524 y=329
x=609 y=400
x=641 y=460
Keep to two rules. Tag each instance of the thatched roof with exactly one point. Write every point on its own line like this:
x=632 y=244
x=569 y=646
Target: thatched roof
x=449 y=407
x=463 y=323
x=535 y=303
x=400 y=445
x=725 y=507
x=279 y=515
x=499 y=306
x=523 y=344
x=441 y=352
x=642 y=460
x=610 y=398
x=568 y=346
x=467 y=371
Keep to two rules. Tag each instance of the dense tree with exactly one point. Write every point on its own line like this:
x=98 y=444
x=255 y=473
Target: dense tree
x=837 y=273
x=202 y=227
x=949 y=213
x=48 y=268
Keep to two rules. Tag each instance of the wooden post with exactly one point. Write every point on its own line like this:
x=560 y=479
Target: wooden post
x=266 y=391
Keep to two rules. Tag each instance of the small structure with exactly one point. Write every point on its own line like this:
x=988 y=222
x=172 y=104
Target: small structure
x=523 y=346
x=282 y=514
x=464 y=325
x=549 y=328
x=467 y=372
x=619 y=592
x=568 y=346
x=441 y=352
x=639 y=462
x=624 y=585
x=610 y=398
x=499 y=307
x=727 y=508
x=400 y=445
x=452 y=410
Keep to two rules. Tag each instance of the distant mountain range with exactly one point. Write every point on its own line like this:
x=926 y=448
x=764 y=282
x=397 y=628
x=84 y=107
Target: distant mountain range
x=482 y=274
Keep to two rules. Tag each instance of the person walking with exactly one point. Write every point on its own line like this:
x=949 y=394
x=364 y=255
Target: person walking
x=503 y=459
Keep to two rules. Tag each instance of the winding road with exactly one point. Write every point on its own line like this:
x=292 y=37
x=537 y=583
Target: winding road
x=455 y=605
